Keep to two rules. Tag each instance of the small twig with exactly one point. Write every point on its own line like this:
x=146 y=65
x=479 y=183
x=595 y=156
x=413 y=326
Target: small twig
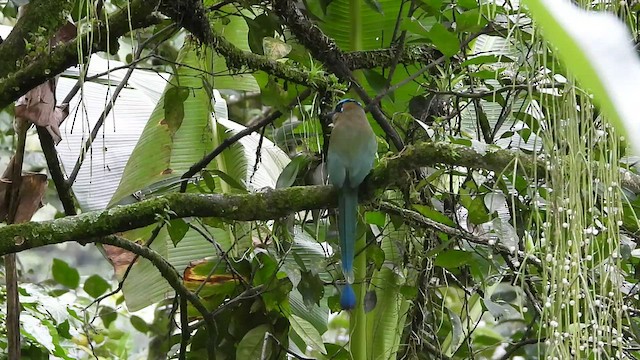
x=400 y=45
x=417 y=218
x=219 y=5
x=76 y=87
x=226 y=143
x=258 y=154
x=168 y=272
x=520 y=344
x=154 y=235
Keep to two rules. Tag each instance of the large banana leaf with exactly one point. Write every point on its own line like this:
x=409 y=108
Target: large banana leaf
x=161 y=153
x=377 y=27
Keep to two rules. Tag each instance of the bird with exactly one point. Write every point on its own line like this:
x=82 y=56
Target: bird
x=350 y=156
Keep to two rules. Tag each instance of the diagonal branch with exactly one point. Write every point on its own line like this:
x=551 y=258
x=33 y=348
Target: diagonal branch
x=325 y=49
x=55 y=170
x=235 y=138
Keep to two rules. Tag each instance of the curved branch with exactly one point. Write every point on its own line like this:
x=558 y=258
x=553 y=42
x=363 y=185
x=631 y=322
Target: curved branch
x=137 y=15
x=167 y=271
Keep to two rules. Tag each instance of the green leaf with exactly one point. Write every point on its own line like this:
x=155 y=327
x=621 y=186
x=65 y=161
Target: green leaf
x=445 y=41
x=311 y=287
x=63 y=329
x=375 y=218
x=478 y=213
x=230 y=180
x=108 y=315
x=174 y=99
x=209 y=181
x=79 y=9
x=528 y=119
x=470 y=21
x=308 y=333
x=64 y=274
x=453 y=259
x=139 y=324
x=377 y=82
x=467 y=4
x=337 y=352
x=260 y=27
x=177 y=230
x=376 y=254
x=409 y=292
x=434 y=215
x=375 y=5
x=456 y=329
x=95 y=286
x=289 y=175
x=250 y=347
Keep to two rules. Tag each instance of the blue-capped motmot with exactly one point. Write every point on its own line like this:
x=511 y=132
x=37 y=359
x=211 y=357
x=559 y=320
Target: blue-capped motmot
x=352 y=150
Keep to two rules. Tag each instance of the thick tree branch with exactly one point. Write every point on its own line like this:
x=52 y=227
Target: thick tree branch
x=137 y=15
x=267 y=205
x=41 y=19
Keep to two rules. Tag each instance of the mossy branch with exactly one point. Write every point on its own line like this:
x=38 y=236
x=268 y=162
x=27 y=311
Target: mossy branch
x=137 y=15
x=267 y=205
x=41 y=19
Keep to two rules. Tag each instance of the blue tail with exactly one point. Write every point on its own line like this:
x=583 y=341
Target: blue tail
x=348 y=298
x=348 y=213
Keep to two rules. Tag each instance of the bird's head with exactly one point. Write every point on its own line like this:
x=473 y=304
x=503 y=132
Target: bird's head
x=348 y=109
x=346 y=105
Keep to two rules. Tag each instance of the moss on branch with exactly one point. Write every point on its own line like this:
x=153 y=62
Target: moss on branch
x=41 y=19
x=62 y=57
x=267 y=205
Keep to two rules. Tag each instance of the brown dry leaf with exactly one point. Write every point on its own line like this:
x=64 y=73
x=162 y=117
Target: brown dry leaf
x=198 y=275
x=65 y=34
x=32 y=190
x=39 y=107
x=119 y=258
x=39 y=104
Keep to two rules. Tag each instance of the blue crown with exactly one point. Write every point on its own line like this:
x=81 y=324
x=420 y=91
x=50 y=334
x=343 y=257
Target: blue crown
x=342 y=102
